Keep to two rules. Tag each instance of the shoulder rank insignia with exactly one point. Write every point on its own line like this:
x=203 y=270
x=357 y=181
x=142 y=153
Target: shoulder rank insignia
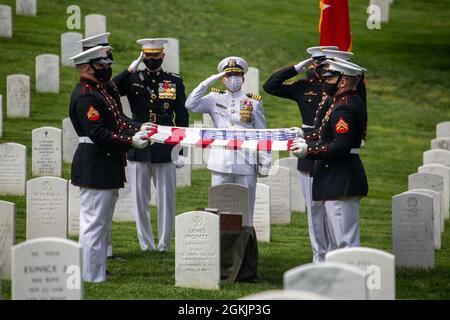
x=217 y=90
x=254 y=96
x=92 y=114
x=341 y=126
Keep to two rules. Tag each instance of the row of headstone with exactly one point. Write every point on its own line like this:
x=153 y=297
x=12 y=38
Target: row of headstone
x=418 y=215
x=349 y=273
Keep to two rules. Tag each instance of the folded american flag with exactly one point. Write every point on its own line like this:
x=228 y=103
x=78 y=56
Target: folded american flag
x=234 y=139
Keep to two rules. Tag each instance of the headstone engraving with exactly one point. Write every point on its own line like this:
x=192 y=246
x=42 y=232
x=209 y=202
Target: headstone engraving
x=444 y=172
x=378 y=265
x=230 y=197
x=5 y=22
x=279 y=181
x=47 y=152
x=412 y=230
x=18 y=96
x=331 y=279
x=47 y=269
x=261 y=216
x=13 y=169
x=7 y=237
x=197 y=250
x=26 y=7
x=297 y=197
x=438 y=156
x=47 y=207
x=47 y=73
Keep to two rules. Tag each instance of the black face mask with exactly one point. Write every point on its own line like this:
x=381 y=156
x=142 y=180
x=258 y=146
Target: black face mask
x=109 y=76
x=153 y=64
x=101 y=74
x=331 y=88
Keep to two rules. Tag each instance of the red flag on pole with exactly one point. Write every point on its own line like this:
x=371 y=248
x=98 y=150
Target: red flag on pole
x=334 y=24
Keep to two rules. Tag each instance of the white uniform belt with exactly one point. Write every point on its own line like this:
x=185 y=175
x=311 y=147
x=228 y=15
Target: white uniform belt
x=305 y=126
x=355 y=150
x=85 y=140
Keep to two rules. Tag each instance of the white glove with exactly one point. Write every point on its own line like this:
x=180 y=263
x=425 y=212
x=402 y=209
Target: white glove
x=299 y=148
x=213 y=79
x=179 y=163
x=263 y=171
x=298 y=131
x=302 y=65
x=135 y=64
x=139 y=140
x=147 y=126
x=363 y=143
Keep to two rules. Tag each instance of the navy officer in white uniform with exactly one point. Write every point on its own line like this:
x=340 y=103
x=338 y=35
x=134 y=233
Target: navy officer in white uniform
x=233 y=109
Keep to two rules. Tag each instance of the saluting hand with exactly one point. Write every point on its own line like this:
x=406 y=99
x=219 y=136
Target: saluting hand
x=213 y=78
x=135 y=64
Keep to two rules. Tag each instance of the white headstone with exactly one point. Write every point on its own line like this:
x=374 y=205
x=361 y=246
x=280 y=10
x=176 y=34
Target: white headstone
x=230 y=197
x=26 y=7
x=444 y=172
x=18 y=96
x=124 y=205
x=7 y=237
x=74 y=211
x=47 y=73
x=171 y=61
x=197 y=250
x=378 y=265
x=1 y=115
x=94 y=24
x=285 y=295
x=47 y=207
x=47 y=152
x=331 y=279
x=441 y=143
x=184 y=174
x=279 y=181
x=261 y=215
x=429 y=181
x=384 y=8
x=70 y=47
x=412 y=230
x=47 y=269
x=438 y=156
x=13 y=169
x=70 y=140
x=251 y=83
x=5 y=22
x=297 y=197
x=443 y=129
x=437 y=216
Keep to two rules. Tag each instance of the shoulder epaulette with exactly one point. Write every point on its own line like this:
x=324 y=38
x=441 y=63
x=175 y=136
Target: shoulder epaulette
x=217 y=90
x=254 y=96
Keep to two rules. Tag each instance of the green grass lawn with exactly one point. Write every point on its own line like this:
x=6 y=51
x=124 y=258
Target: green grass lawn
x=407 y=82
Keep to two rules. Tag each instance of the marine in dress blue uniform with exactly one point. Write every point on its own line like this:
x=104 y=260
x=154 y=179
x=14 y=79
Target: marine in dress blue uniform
x=99 y=161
